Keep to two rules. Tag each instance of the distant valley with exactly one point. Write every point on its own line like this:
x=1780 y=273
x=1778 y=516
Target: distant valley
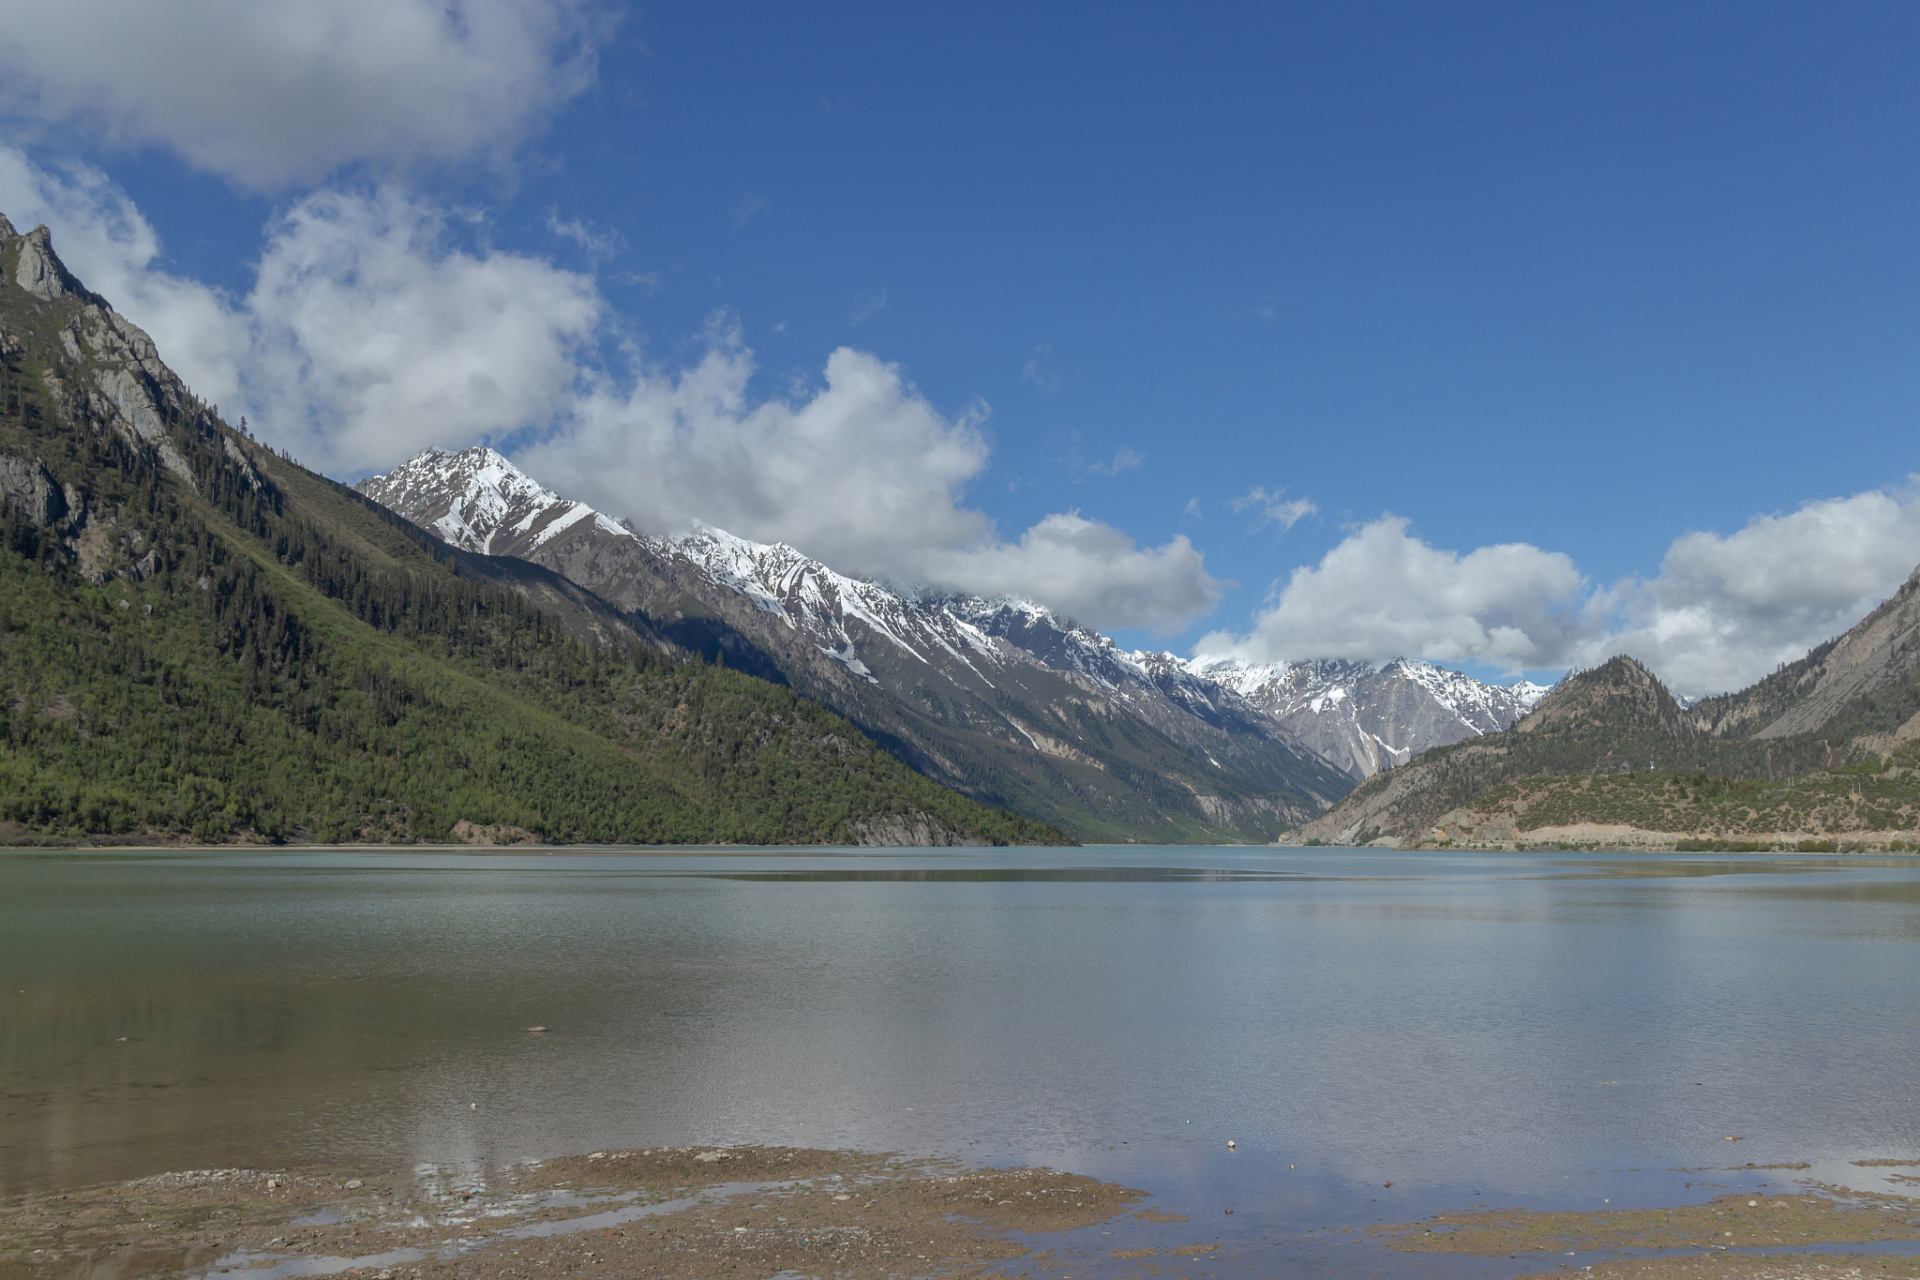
x=203 y=640
x=1001 y=699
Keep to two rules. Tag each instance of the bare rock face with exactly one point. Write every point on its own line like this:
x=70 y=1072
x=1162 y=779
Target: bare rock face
x=112 y=375
x=1882 y=650
x=29 y=489
x=1364 y=717
x=908 y=831
x=39 y=271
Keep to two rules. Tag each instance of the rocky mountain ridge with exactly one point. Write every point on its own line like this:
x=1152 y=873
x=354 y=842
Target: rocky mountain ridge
x=1370 y=716
x=1825 y=752
x=201 y=641
x=919 y=667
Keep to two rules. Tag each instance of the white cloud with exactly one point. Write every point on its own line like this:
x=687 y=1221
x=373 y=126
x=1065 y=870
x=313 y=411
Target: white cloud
x=1088 y=570
x=1725 y=611
x=1124 y=459
x=104 y=240
x=373 y=338
x=1721 y=613
x=598 y=245
x=1274 y=508
x=1382 y=592
x=862 y=473
x=368 y=336
x=269 y=92
x=1033 y=372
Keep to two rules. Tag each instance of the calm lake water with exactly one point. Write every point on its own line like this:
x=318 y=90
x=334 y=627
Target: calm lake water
x=1545 y=1029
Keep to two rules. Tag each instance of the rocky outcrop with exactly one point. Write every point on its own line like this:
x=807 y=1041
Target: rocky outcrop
x=909 y=831
x=491 y=834
x=1883 y=650
x=112 y=376
x=29 y=489
x=38 y=270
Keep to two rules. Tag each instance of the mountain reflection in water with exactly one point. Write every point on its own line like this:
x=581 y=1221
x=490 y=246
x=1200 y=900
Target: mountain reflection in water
x=1547 y=1028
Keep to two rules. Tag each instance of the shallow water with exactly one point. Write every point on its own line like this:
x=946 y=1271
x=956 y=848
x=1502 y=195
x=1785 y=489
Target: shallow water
x=1500 y=1027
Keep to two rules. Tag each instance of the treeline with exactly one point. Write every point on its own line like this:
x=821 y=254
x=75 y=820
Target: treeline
x=282 y=663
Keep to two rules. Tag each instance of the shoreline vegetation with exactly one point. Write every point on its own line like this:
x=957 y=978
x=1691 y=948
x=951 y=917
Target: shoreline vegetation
x=689 y=1212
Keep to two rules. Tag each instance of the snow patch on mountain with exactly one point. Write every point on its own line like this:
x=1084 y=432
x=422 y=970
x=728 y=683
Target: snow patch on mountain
x=1368 y=716
x=1361 y=716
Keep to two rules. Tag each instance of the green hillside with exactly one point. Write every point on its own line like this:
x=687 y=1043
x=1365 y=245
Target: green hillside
x=1611 y=747
x=201 y=640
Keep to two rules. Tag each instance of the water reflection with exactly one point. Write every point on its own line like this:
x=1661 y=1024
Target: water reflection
x=957 y=875
x=1452 y=1022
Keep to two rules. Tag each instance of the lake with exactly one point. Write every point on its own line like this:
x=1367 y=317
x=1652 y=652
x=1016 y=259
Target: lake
x=1520 y=1028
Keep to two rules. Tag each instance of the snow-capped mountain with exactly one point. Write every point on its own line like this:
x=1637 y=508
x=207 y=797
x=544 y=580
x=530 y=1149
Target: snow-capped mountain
x=999 y=697
x=479 y=501
x=1368 y=716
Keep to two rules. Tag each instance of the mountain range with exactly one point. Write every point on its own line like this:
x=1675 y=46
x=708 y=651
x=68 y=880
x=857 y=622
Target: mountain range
x=201 y=640
x=999 y=698
x=1822 y=754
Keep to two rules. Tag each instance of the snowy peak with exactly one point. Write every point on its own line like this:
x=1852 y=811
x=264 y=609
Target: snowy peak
x=1040 y=633
x=1358 y=716
x=1361 y=716
x=478 y=501
x=841 y=615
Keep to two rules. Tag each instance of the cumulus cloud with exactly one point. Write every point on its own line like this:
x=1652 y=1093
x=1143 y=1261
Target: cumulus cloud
x=367 y=335
x=1721 y=613
x=1275 y=508
x=373 y=337
x=860 y=469
x=1091 y=571
x=1724 y=611
x=370 y=333
x=861 y=472
x=1383 y=592
x=270 y=92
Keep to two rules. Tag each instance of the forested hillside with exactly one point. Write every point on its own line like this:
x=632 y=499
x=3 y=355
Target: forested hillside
x=201 y=640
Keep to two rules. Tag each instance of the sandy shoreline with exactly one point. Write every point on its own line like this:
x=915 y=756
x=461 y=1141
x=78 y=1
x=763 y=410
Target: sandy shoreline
x=679 y=1213
x=684 y=1213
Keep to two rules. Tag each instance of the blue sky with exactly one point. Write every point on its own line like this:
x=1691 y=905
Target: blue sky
x=1521 y=334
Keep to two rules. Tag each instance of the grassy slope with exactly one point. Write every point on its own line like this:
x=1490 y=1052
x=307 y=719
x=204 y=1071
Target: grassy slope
x=302 y=663
x=1124 y=779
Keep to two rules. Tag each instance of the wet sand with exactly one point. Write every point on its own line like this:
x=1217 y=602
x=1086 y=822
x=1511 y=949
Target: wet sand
x=685 y=1213
x=1695 y=1242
